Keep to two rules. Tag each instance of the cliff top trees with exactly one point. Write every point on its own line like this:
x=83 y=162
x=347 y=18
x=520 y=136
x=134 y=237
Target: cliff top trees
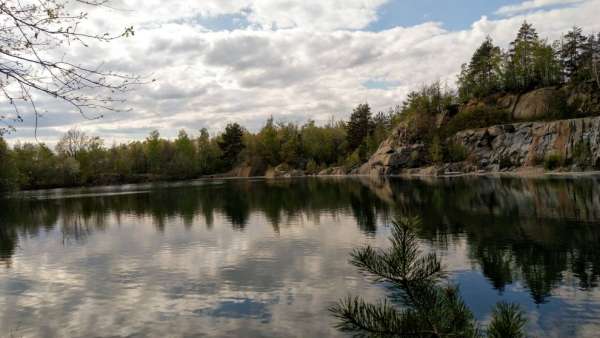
x=481 y=76
x=29 y=33
x=572 y=52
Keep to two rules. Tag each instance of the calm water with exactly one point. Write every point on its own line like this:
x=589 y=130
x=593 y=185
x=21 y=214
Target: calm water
x=258 y=258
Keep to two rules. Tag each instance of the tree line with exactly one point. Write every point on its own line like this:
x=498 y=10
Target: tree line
x=529 y=63
x=80 y=159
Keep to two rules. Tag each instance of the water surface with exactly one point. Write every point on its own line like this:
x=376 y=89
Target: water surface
x=265 y=258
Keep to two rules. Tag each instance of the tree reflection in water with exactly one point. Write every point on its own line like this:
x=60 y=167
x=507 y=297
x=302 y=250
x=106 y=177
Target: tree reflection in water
x=517 y=230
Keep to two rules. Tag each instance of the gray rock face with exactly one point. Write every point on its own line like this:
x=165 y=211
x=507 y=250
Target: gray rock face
x=529 y=144
x=575 y=142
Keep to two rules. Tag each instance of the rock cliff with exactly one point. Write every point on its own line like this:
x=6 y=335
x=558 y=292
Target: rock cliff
x=572 y=145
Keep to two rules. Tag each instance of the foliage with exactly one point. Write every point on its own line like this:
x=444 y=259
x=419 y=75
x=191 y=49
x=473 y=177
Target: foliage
x=482 y=76
x=553 y=161
x=478 y=117
x=359 y=126
x=436 y=152
x=456 y=152
x=530 y=63
x=428 y=307
x=8 y=170
x=231 y=144
x=37 y=39
x=507 y=321
x=582 y=153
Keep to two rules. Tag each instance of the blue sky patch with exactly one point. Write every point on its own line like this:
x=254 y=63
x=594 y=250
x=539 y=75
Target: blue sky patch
x=380 y=84
x=453 y=14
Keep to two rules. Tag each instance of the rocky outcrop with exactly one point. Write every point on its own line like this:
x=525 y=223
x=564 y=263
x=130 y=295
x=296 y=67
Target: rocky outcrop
x=571 y=144
x=534 y=105
x=397 y=152
x=574 y=143
x=283 y=170
x=334 y=171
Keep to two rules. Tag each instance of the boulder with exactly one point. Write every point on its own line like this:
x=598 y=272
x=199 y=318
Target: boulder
x=534 y=104
x=333 y=171
x=283 y=170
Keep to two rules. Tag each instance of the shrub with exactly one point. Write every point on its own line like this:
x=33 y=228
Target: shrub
x=553 y=161
x=352 y=161
x=456 y=152
x=582 y=153
x=312 y=167
x=480 y=117
x=558 y=108
x=436 y=151
x=505 y=162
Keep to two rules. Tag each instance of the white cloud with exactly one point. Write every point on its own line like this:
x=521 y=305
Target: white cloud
x=207 y=78
x=532 y=5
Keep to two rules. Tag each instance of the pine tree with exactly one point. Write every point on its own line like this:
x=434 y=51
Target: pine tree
x=231 y=144
x=572 y=54
x=359 y=126
x=481 y=76
x=428 y=308
x=520 y=68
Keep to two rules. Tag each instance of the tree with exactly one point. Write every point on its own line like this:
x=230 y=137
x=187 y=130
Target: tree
x=231 y=144
x=30 y=33
x=209 y=154
x=184 y=164
x=572 y=53
x=73 y=142
x=154 y=152
x=429 y=308
x=359 y=126
x=481 y=77
x=268 y=143
x=520 y=68
x=9 y=175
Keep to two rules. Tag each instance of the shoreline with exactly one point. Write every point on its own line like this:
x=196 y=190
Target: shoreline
x=530 y=174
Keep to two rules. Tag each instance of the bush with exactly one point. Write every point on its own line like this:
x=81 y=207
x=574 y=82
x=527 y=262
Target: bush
x=456 y=152
x=352 y=161
x=582 y=153
x=558 y=108
x=553 y=161
x=312 y=167
x=505 y=162
x=436 y=151
x=480 y=117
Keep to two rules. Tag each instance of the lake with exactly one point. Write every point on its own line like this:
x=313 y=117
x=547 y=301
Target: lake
x=265 y=258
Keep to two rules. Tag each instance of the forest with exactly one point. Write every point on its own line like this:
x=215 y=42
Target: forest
x=530 y=62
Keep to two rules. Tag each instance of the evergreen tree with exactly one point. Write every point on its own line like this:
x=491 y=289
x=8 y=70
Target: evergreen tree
x=359 y=126
x=231 y=144
x=521 y=59
x=572 y=54
x=481 y=77
x=429 y=308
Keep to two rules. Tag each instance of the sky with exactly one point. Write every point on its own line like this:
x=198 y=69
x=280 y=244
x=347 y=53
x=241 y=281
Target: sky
x=222 y=61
